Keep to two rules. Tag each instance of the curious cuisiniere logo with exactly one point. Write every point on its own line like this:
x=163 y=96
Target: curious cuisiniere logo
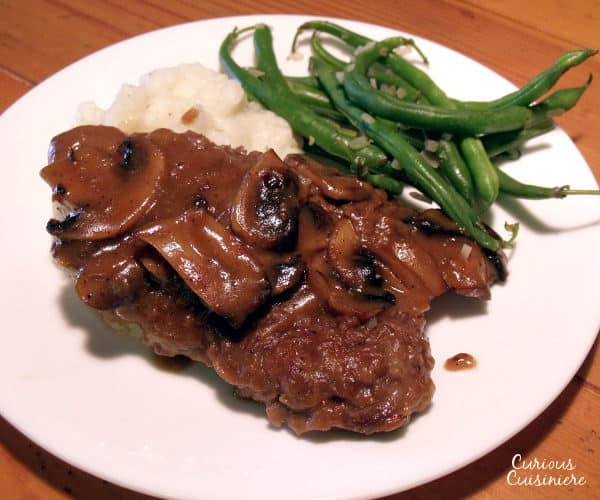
x=535 y=472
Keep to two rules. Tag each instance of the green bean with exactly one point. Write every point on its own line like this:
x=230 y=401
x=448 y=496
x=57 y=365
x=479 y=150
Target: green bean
x=410 y=136
x=310 y=81
x=382 y=177
x=458 y=171
x=380 y=104
x=386 y=183
x=302 y=81
x=537 y=86
x=451 y=162
x=309 y=94
x=556 y=104
x=265 y=57
x=513 y=187
x=562 y=100
x=484 y=175
x=355 y=40
x=453 y=167
x=429 y=181
x=503 y=124
x=415 y=77
x=322 y=53
x=416 y=137
x=418 y=79
x=476 y=161
x=325 y=158
x=413 y=165
x=351 y=38
x=307 y=88
x=497 y=144
x=331 y=114
x=377 y=71
x=304 y=121
x=384 y=75
x=316 y=100
x=436 y=96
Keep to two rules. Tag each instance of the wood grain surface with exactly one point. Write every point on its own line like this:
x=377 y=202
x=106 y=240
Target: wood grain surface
x=515 y=38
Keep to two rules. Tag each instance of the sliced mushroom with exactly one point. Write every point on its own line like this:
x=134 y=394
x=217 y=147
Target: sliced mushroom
x=349 y=257
x=315 y=226
x=103 y=184
x=409 y=299
x=434 y=223
x=66 y=146
x=285 y=274
x=354 y=264
x=329 y=180
x=265 y=211
x=463 y=265
x=332 y=292
x=155 y=265
x=111 y=277
x=394 y=244
x=222 y=271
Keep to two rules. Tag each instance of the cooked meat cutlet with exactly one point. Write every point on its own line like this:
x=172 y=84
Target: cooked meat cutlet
x=302 y=287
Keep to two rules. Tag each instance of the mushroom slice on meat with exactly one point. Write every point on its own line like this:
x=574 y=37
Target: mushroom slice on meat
x=350 y=258
x=156 y=266
x=111 y=276
x=285 y=273
x=394 y=243
x=101 y=191
x=265 y=211
x=221 y=270
x=465 y=267
x=341 y=299
x=332 y=183
x=315 y=228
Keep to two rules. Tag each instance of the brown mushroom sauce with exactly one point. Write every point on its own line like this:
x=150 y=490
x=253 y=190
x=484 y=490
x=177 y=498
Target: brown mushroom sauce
x=302 y=287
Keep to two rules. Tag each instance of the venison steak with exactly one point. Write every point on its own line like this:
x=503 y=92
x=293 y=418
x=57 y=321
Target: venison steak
x=302 y=287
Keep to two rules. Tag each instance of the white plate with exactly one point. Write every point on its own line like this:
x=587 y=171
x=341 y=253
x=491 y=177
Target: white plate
x=96 y=400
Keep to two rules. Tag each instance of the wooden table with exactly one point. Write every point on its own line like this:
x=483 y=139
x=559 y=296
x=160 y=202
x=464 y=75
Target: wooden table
x=516 y=38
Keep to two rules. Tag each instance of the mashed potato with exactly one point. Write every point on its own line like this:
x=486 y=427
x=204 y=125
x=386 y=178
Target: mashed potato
x=192 y=97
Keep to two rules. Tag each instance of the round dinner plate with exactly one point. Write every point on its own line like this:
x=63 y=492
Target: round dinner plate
x=101 y=402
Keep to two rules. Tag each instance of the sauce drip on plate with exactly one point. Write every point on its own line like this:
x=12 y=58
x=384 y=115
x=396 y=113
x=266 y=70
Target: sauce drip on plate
x=461 y=361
